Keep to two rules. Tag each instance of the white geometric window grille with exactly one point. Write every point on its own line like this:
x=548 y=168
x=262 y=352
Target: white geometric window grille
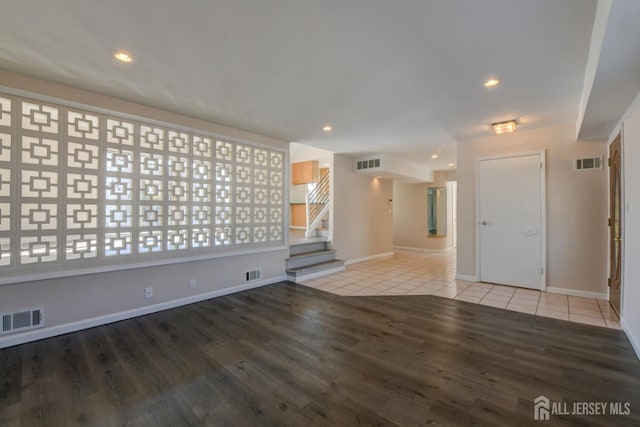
x=260 y=234
x=5 y=251
x=40 y=184
x=118 y=216
x=5 y=216
x=119 y=161
x=201 y=192
x=82 y=216
x=151 y=189
x=39 y=117
x=202 y=146
x=35 y=249
x=120 y=132
x=81 y=186
x=81 y=246
x=179 y=142
x=39 y=151
x=117 y=243
x=83 y=156
x=223 y=236
x=5 y=182
x=151 y=137
x=39 y=216
x=82 y=125
x=151 y=164
x=150 y=241
x=178 y=216
x=5 y=147
x=118 y=188
x=201 y=238
x=150 y=216
x=177 y=240
x=5 y=111
x=243 y=235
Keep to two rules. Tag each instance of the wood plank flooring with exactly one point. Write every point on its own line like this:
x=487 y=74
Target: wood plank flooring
x=290 y=355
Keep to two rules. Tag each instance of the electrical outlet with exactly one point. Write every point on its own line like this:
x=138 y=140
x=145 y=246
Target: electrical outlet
x=148 y=292
x=192 y=283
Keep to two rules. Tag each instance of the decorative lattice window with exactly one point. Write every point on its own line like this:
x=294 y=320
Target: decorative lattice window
x=84 y=190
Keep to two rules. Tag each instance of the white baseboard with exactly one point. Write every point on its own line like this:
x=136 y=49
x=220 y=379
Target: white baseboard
x=409 y=248
x=467 y=278
x=38 y=334
x=577 y=293
x=632 y=339
x=368 y=258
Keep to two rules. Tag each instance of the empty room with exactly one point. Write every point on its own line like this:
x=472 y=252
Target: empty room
x=336 y=213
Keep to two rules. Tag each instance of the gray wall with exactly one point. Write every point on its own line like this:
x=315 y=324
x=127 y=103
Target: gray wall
x=363 y=223
x=576 y=205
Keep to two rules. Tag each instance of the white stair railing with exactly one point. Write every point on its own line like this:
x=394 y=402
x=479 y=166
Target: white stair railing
x=317 y=202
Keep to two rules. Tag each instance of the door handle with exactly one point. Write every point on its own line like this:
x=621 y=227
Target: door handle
x=484 y=223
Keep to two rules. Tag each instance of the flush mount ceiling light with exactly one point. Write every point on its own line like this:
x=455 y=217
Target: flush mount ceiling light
x=123 y=56
x=504 y=127
x=327 y=128
x=491 y=83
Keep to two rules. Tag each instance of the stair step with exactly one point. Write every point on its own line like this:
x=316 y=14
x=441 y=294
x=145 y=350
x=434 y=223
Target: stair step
x=307 y=247
x=315 y=270
x=310 y=258
x=322 y=232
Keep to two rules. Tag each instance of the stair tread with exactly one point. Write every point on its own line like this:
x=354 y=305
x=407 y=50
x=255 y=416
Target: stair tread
x=312 y=253
x=319 y=265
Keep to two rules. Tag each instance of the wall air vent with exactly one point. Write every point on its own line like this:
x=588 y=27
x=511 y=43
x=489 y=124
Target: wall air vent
x=22 y=320
x=366 y=164
x=588 y=163
x=253 y=275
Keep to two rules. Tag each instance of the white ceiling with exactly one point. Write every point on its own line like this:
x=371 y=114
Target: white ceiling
x=393 y=77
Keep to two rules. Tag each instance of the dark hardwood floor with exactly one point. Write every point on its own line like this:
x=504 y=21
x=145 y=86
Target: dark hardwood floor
x=289 y=355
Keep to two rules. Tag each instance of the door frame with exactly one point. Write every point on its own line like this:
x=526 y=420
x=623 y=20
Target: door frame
x=543 y=208
x=618 y=131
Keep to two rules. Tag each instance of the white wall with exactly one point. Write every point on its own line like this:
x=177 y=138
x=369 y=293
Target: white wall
x=410 y=215
x=362 y=221
x=74 y=302
x=576 y=206
x=631 y=236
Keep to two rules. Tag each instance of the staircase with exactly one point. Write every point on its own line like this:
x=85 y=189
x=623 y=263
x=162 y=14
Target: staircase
x=318 y=203
x=312 y=259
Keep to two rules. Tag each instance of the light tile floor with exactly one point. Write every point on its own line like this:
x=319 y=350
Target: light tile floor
x=433 y=273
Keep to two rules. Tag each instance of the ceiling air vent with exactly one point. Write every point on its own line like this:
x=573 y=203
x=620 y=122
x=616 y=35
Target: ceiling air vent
x=368 y=164
x=21 y=320
x=588 y=163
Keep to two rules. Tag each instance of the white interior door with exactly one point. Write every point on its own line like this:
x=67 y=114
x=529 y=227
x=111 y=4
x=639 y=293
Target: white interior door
x=512 y=220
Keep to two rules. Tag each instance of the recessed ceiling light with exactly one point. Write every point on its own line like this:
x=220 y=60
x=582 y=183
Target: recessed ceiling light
x=504 y=127
x=451 y=164
x=123 y=56
x=491 y=83
x=435 y=156
x=327 y=128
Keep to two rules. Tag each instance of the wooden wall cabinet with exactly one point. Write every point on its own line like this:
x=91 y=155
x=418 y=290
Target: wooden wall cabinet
x=299 y=215
x=305 y=172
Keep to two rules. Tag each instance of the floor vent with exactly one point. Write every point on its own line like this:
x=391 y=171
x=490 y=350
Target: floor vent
x=22 y=320
x=588 y=164
x=252 y=276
